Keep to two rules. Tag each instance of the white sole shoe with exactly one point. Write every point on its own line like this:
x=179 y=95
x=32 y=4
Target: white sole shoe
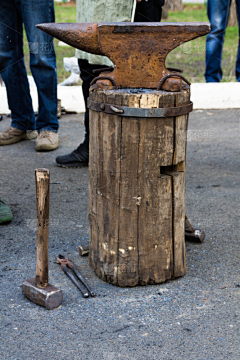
x=47 y=141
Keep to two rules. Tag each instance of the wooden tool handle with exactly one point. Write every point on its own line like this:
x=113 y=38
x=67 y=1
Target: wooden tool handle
x=42 y=177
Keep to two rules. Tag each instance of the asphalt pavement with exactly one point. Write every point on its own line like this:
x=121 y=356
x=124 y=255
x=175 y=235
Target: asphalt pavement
x=195 y=317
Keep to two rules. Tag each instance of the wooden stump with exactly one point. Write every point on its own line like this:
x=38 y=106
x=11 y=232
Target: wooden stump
x=137 y=189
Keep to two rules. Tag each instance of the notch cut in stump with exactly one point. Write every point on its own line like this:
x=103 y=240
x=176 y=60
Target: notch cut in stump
x=137 y=188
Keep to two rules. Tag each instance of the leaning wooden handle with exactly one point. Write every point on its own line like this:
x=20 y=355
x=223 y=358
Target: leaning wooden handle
x=42 y=177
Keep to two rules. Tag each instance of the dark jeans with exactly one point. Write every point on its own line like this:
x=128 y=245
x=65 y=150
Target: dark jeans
x=87 y=75
x=13 y=14
x=218 y=12
x=146 y=11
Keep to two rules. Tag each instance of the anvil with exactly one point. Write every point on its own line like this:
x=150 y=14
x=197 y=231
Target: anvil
x=137 y=50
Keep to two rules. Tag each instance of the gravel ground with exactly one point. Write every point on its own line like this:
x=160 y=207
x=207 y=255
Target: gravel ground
x=194 y=317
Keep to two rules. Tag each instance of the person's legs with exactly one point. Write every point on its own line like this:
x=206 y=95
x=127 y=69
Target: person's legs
x=149 y=11
x=218 y=12
x=42 y=60
x=12 y=67
x=80 y=156
x=238 y=54
x=87 y=75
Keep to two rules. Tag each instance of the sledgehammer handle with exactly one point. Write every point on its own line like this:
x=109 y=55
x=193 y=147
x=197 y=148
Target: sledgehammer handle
x=42 y=177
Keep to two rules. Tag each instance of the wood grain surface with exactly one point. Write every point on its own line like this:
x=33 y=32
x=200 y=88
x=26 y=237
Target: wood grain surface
x=137 y=189
x=42 y=177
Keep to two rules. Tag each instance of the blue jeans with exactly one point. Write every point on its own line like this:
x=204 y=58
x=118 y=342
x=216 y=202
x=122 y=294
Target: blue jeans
x=13 y=14
x=218 y=12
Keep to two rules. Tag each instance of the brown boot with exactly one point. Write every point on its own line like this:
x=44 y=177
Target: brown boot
x=13 y=135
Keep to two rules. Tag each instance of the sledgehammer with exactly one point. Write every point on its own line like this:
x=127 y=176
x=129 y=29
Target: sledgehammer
x=38 y=289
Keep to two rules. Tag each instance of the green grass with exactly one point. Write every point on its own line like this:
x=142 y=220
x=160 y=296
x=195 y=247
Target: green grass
x=189 y=57
x=63 y=13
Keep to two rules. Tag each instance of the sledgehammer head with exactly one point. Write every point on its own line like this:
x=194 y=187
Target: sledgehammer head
x=50 y=297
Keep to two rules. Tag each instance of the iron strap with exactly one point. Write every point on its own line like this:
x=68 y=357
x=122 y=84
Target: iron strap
x=140 y=112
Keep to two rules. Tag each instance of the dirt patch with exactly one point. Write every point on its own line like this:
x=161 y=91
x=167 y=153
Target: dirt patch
x=194 y=7
x=68 y=4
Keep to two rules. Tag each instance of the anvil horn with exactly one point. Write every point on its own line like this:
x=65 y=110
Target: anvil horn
x=80 y=36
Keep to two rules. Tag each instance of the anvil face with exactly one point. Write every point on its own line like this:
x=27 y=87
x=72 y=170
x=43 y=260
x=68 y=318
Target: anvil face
x=138 y=50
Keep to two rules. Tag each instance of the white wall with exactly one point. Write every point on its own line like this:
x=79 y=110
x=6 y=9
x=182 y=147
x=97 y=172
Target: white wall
x=203 y=96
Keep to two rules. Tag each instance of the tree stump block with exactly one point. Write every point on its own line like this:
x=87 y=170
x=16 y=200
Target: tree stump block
x=137 y=189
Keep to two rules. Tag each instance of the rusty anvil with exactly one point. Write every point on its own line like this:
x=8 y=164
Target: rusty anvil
x=137 y=50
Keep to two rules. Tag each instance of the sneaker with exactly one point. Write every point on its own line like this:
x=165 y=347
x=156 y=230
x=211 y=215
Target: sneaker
x=13 y=135
x=78 y=158
x=47 y=140
x=6 y=215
